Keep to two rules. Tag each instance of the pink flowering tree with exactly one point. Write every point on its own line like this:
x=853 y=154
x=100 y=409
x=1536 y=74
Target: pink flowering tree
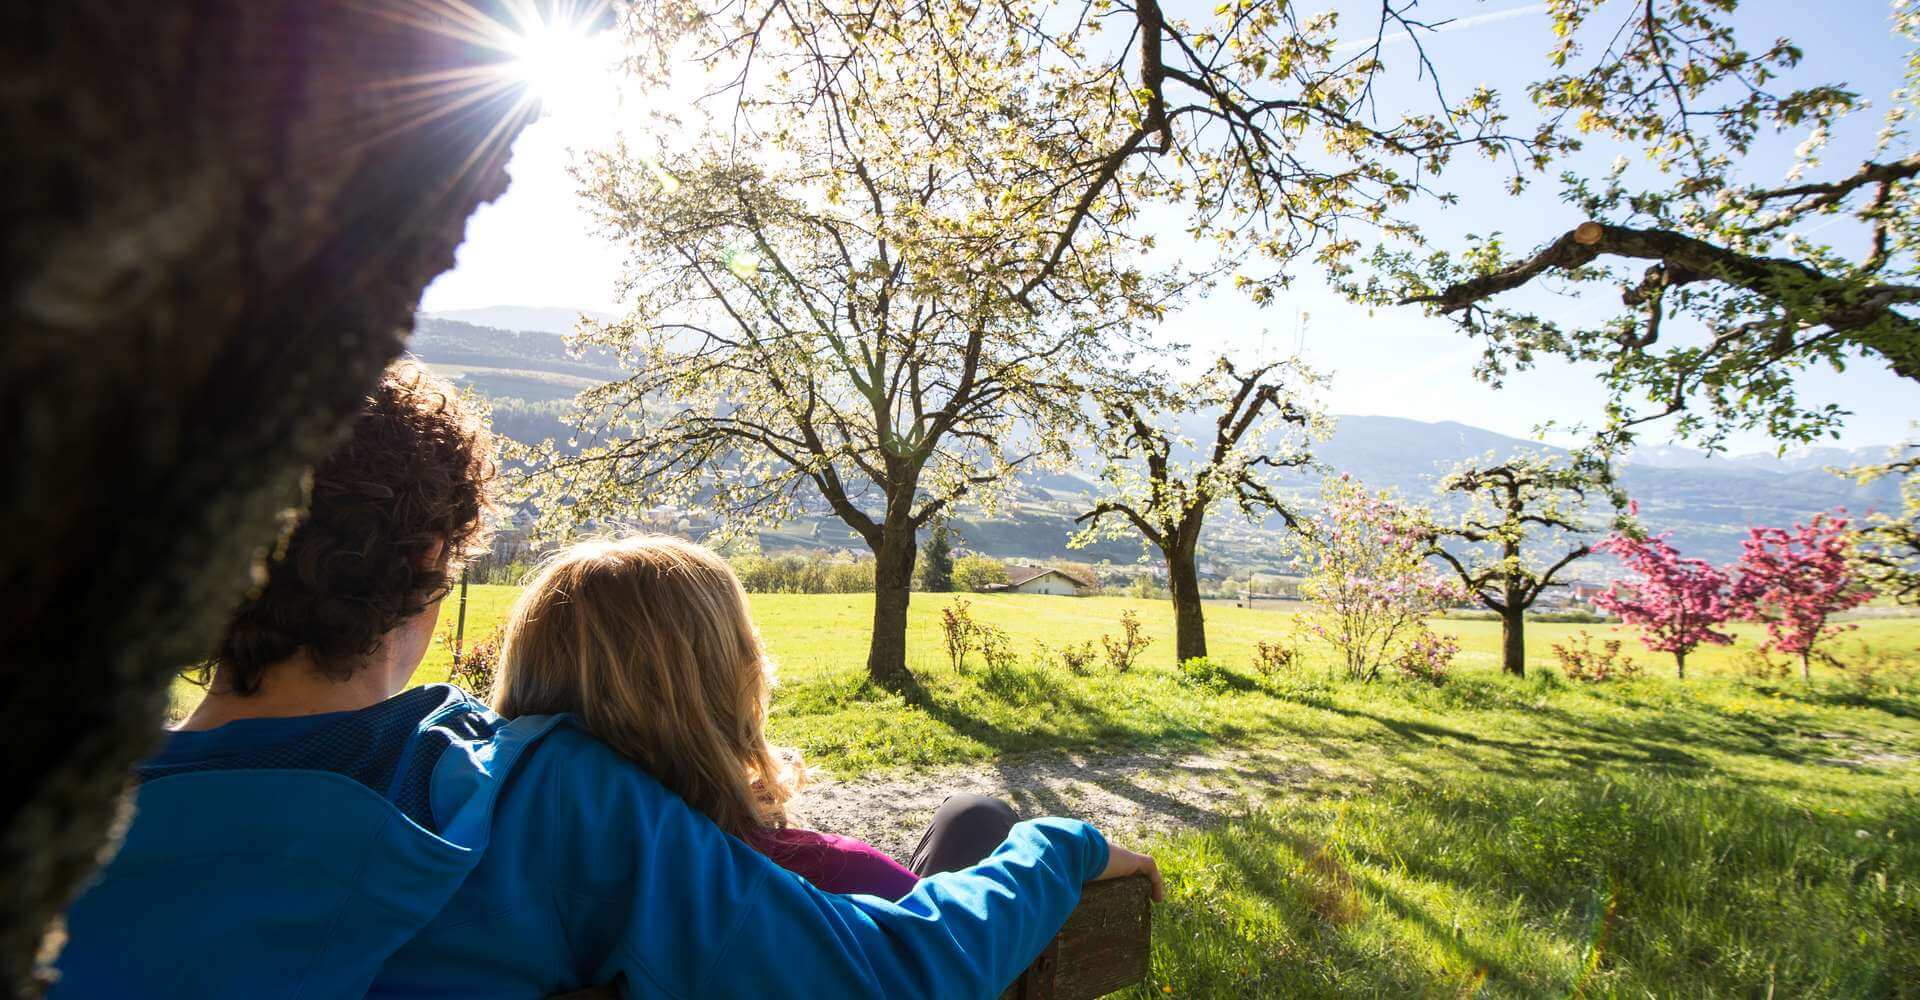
x=1795 y=581
x=1677 y=602
x=1367 y=576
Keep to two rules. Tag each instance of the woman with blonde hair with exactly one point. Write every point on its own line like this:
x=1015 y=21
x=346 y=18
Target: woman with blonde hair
x=647 y=641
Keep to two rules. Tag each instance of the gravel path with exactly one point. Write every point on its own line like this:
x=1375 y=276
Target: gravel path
x=1129 y=795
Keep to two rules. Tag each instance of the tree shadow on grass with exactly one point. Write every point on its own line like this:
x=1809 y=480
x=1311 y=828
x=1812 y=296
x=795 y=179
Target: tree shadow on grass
x=1528 y=756
x=1735 y=735
x=1827 y=697
x=1558 y=738
x=1185 y=792
x=1038 y=690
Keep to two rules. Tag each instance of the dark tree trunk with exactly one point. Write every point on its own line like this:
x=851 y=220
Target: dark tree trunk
x=213 y=232
x=1189 y=619
x=1806 y=665
x=892 y=589
x=1513 y=640
x=1680 y=663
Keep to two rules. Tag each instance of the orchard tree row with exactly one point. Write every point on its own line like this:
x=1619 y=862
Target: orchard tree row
x=1376 y=567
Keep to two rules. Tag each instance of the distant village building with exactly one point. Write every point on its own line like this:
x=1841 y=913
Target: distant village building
x=1039 y=580
x=1584 y=593
x=1570 y=596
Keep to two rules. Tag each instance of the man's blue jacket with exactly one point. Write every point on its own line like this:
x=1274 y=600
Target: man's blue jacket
x=423 y=848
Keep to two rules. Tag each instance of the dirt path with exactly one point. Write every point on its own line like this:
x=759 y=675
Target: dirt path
x=1129 y=795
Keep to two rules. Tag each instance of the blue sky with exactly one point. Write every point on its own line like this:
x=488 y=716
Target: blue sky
x=535 y=245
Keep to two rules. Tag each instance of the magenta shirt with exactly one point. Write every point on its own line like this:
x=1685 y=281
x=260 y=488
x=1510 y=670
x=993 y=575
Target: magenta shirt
x=834 y=863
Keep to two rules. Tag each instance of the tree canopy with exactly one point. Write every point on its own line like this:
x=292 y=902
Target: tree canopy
x=1255 y=119
x=1729 y=285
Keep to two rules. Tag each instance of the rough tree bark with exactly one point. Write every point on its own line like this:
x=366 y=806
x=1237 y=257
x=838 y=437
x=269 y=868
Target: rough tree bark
x=893 y=562
x=1513 y=639
x=216 y=218
x=1183 y=580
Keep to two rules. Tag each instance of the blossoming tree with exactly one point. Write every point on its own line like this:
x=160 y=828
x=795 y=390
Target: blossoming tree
x=1367 y=575
x=1517 y=507
x=1162 y=485
x=1677 y=602
x=1796 y=581
x=813 y=323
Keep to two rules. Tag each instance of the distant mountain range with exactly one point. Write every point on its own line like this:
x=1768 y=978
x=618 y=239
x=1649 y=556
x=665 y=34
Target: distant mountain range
x=536 y=319
x=1707 y=501
x=1806 y=458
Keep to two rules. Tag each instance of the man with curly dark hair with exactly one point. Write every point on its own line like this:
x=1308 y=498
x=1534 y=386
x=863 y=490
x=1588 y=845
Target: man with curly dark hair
x=314 y=829
x=405 y=496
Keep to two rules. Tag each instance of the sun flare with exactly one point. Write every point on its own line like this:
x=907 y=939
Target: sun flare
x=565 y=65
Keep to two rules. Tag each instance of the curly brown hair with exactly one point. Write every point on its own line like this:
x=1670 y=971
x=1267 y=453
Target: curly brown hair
x=416 y=468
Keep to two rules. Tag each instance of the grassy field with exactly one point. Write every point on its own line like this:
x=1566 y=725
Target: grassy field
x=1729 y=836
x=824 y=706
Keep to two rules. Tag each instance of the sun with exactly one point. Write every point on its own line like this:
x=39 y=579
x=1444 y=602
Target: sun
x=566 y=66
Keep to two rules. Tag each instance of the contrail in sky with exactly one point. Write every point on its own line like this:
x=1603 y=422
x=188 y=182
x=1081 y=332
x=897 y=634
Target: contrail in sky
x=1456 y=24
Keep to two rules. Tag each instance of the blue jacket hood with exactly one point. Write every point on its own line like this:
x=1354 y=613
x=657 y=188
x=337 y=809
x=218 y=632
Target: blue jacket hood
x=340 y=876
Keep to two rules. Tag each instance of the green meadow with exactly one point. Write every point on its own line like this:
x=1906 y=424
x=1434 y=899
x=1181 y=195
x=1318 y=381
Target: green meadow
x=1730 y=835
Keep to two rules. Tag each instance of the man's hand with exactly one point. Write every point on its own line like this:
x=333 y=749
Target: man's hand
x=1122 y=863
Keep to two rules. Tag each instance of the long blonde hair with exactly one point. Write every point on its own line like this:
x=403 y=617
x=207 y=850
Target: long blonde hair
x=647 y=640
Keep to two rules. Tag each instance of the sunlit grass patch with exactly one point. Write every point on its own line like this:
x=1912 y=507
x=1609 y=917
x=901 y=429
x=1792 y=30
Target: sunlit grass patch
x=1622 y=886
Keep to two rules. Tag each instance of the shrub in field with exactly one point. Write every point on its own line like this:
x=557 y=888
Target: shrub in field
x=1573 y=616
x=996 y=649
x=1121 y=655
x=1867 y=667
x=1796 y=581
x=1367 y=575
x=1677 y=602
x=960 y=631
x=1755 y=664
x=474 y=666
x=1210 y=674
x=1273 y=657
x=1427 y=656
x=1582 y=661
x=1078 y=657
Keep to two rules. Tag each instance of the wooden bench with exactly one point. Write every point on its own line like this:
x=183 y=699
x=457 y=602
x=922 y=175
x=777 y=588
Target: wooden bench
x=1103 y=947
